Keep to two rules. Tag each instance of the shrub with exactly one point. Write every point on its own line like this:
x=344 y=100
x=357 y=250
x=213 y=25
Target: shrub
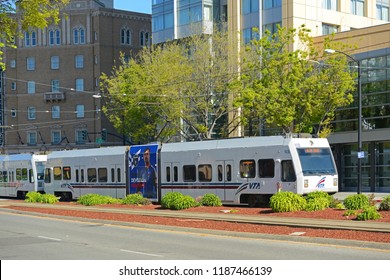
x=287 y=202
x=37 y=197
x=33 y=197
x=96 y=199
x=135 y=199
x=183 y=203
x=356 y=202
x=317 y=200
x=49 y=198
x=210 y=200
x=385 y=204
x=318 y=203
x=369 y=213
x=169 y=198
x=177 y=201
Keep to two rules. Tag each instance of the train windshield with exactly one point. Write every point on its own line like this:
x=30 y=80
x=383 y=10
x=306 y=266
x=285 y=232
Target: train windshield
x=40 y=170
x=316 y=161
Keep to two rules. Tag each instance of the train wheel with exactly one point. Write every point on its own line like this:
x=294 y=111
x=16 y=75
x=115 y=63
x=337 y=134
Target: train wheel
x=253 y=201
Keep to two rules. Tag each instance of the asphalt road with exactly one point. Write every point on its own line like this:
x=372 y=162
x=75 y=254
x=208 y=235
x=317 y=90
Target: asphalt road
x=26 y=237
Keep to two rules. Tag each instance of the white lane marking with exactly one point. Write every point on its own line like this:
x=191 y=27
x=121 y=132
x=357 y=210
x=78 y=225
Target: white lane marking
x=140 y=253
x=50 y=238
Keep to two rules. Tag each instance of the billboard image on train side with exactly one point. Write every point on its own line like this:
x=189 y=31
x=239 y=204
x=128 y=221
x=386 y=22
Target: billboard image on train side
x=143 y=170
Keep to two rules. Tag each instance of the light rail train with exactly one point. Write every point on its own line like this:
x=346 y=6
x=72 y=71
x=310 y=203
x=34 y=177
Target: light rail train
x=238 y=170
x=21 y=173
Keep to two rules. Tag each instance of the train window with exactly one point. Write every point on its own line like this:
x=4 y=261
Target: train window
x=77 y=174
x=175 y=174
x=82 y=175
x=204 y=172
x=24 y=174
x=220 y=173
x=31 y=176
x=168 y=174
x=57 y=171
x=112 y=175
x=247 y=169
x=91 y=173
x=118 y=173
x=18 y=174
x=288 y=173
x=102 y=174
x=228 y=172
x=189 y=173
x=66 y=173
x=4 y=177
x=266 y=168
x=11 y=176
x=48 y=175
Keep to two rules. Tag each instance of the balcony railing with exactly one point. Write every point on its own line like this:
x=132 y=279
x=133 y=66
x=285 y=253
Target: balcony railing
x=54 y=96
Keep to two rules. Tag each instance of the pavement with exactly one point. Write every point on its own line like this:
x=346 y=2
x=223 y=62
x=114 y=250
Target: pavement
x=238 y=218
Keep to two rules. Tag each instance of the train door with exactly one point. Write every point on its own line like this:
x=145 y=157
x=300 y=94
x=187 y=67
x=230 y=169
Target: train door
x=225 y=190
x=171 y=177
x=116 y=180
x=79 y=178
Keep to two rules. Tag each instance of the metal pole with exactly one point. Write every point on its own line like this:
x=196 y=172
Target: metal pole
x=360 y=155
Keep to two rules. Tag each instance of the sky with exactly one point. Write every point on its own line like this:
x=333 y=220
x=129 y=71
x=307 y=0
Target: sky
x=141 y=6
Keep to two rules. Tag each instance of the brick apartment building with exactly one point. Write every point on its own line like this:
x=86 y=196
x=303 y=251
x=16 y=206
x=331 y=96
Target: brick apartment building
x=50 y=88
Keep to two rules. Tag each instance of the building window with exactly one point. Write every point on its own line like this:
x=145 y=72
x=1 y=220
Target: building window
x=79 y=36
x=248 y=35
x=80 y=136
x=272 y=27
x=330 y=5
x=79 y=61
x=12 y=63
x=144 y=38
x=55 y=112
x=55 y=137
x=79 y=111
x=32 y=138
x=30 y=39
x=55 y=62
x=357 y=7
x=31 y=113
x=250 y=6
x=55 y=86
x=382 y=10
x=269 y=4
x=79 y=84
x=30 y=87
x=13 y=113
x=125 y=36
x=13 y=86
x=54 y=37
x=30 y=63
x=328 y=29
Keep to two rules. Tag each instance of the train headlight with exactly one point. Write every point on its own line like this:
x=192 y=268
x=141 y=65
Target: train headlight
x=306 y=183
x=335 y=182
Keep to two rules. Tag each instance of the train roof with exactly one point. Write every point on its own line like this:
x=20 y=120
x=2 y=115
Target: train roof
x=248 y=142
x=25 y=156
x=225 y=143
x=105 y=151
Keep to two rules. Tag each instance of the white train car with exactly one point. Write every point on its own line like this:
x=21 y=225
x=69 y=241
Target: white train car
x=70 y=174
x=21 y=173
x=248 y=170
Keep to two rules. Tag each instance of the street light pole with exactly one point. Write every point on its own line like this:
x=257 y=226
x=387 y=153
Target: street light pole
x=360 y=153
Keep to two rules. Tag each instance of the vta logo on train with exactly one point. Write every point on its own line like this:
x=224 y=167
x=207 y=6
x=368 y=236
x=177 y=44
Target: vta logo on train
x=254 y=185
x=321 y=183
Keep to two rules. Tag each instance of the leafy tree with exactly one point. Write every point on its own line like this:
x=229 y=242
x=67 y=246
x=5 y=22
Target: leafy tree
x=293 y=89
x=143 y=95
x=179 y=88
x=31 y=14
